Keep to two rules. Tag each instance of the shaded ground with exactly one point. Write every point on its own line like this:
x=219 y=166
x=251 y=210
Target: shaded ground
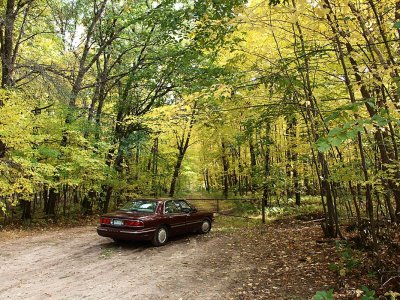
x=278 y=261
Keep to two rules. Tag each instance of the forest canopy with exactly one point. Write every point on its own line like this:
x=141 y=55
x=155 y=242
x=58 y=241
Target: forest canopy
x=105 y=100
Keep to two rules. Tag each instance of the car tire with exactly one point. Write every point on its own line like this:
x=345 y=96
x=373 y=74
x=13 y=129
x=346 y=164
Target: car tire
x=205 y=226
x=160 y=236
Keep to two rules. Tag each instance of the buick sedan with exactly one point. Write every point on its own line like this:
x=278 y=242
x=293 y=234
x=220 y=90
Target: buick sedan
x=155 y=220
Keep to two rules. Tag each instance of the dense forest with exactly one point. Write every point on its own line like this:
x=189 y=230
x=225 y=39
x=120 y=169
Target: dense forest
x=106 y=100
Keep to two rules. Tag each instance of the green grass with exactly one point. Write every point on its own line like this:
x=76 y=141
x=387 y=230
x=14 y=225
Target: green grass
x=240 y=213
x=107 y=253
x=230 y=224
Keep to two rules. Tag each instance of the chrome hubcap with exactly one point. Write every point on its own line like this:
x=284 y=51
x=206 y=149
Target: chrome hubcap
x=162 y=235
x=205 y=226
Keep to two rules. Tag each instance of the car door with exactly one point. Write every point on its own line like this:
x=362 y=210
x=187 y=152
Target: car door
x=193 y=219
x=175 y=217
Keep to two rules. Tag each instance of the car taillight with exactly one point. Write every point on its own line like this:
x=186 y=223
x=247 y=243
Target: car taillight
x=105 y=221
x=133 y=223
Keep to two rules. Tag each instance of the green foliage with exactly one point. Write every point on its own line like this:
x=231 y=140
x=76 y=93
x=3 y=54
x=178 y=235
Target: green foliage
x=338 y=135
x=107 y=253
x=368 y=294
x=392 y=295
x=229 y=224
x=347 y=261
x=292 y=210
x=138 y=58
x=246 y=207
x=324 y=295
x=36 y=156
x=348 y=128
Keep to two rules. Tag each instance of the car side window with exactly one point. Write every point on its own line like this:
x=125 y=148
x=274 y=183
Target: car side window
x=184 y=205
x=172 y=207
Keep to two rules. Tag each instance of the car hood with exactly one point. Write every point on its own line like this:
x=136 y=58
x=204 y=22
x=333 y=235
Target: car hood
x=128 y=214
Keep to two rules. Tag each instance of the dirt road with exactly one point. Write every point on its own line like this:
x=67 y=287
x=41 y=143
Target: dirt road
x=78 y=264
x=278 y=261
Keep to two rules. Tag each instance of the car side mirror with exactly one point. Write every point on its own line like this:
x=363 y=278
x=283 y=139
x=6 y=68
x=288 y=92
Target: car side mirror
x=193 y=210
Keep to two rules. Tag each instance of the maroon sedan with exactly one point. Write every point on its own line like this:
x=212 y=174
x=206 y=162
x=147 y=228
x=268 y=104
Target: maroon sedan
x=155 y=220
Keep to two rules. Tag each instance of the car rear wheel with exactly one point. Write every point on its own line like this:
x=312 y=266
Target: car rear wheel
x=160 y=236
x=205 y=226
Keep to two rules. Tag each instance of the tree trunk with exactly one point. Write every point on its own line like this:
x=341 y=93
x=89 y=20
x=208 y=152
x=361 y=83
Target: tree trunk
x=3 y=149
x=26 y=210
x=108 y=192
x=6 y=52
x=296 y=187
x=45 y=195
x=7 y=46
x=321 y=163
x=51 y=205
x=389 y=206
x=154 y=169
x=206 y=180
x=65 y=199
x=355 y=203
x=182 y=145
x=291 y=156
x=225 y=166
x=175 y=175
x=267 y=167
x=253 y=165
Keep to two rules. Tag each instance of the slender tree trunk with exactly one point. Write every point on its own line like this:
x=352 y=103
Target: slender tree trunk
x=355 y=203
x=368 y=192
x=8 y=45
x=65 y=199
x=330 y=226
x=267 y=167
x=297 y=193
x=389 y=206
x=182 y=145
x=3 y=149
x=206 y=180
x=291 y=155
x=175 y=175
x=54 y=196
x=106 y=204
x=253 y=165
x=154 y=169
x=225 y=166
x=6 y=52
x=26 y=209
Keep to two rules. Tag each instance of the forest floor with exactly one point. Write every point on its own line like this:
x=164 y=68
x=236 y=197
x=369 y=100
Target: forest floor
x=286 y=259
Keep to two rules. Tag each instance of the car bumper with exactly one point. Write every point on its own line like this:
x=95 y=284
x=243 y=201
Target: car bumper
x=126 y=234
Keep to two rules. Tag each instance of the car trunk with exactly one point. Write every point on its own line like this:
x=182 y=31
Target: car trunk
x=121 y=214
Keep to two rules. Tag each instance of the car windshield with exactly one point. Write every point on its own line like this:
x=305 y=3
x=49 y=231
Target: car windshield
x=146 y=206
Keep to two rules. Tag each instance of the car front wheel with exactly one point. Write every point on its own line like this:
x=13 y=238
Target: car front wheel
x=205 y=226
x=160 y=237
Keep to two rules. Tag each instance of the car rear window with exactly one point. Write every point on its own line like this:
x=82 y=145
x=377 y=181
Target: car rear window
x=145 y=206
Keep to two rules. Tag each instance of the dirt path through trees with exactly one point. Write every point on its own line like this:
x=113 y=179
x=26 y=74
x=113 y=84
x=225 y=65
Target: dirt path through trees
x=278 y=261
x=78 y=264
